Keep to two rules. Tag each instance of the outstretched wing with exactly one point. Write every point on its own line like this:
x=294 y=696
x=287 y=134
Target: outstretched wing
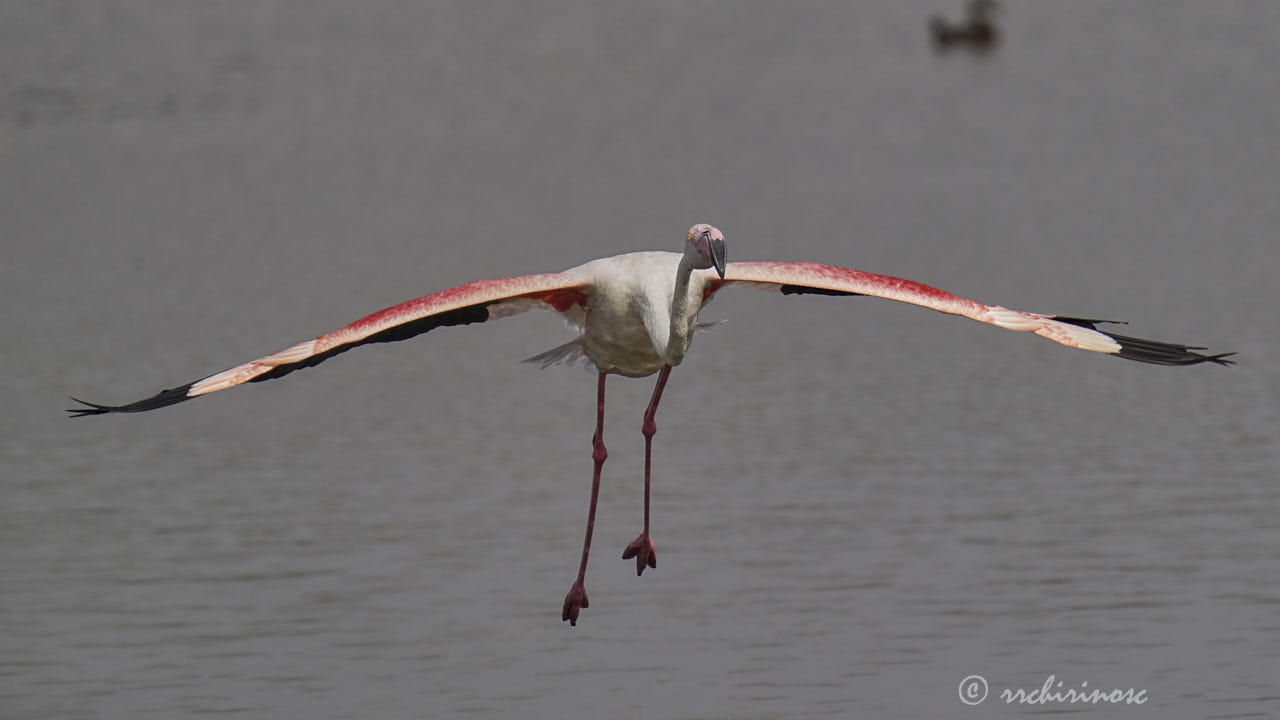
x=474 y=302
x=798 y=278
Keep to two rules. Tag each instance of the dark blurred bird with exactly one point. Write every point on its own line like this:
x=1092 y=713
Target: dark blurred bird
x=977 y=31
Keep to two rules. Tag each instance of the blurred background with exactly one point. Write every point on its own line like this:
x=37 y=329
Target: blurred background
x=857 y=503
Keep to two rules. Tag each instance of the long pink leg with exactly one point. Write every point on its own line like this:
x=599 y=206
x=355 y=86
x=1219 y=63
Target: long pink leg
x=642 y=547
x=577 y=597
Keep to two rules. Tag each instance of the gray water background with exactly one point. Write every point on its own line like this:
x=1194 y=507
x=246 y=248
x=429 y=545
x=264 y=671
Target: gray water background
x=857 y=503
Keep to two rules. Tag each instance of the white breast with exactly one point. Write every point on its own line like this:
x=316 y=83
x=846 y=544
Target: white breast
x=628 y=320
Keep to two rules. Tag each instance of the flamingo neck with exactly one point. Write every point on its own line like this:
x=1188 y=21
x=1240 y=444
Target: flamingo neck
x=681 y=318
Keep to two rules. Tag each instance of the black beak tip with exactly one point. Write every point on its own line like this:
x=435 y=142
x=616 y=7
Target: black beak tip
x=718 y=257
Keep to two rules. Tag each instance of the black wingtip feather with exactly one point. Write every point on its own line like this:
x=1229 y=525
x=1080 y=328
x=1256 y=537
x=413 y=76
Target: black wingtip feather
x=1151 y=351
x=1088 y=322
x=1159 y=353
x=164 y=398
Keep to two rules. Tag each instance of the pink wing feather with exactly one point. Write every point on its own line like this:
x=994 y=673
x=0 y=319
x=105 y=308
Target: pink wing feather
x=474 y=302
x=795 y=278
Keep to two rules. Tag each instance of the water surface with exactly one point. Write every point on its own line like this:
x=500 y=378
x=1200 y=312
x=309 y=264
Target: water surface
x=856 y=504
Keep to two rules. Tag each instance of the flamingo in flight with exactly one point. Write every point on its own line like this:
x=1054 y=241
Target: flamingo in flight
x=637 y=314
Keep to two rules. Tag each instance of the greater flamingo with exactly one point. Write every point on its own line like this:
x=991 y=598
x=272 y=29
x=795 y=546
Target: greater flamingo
x=637 y=314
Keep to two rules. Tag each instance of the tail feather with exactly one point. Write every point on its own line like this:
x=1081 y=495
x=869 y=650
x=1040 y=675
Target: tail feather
x=567 y=354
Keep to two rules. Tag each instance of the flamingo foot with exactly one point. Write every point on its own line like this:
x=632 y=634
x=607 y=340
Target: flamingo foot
x=573 y=603
x=643 y=551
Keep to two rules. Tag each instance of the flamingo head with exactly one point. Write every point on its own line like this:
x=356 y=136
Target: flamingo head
x=704 y=245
